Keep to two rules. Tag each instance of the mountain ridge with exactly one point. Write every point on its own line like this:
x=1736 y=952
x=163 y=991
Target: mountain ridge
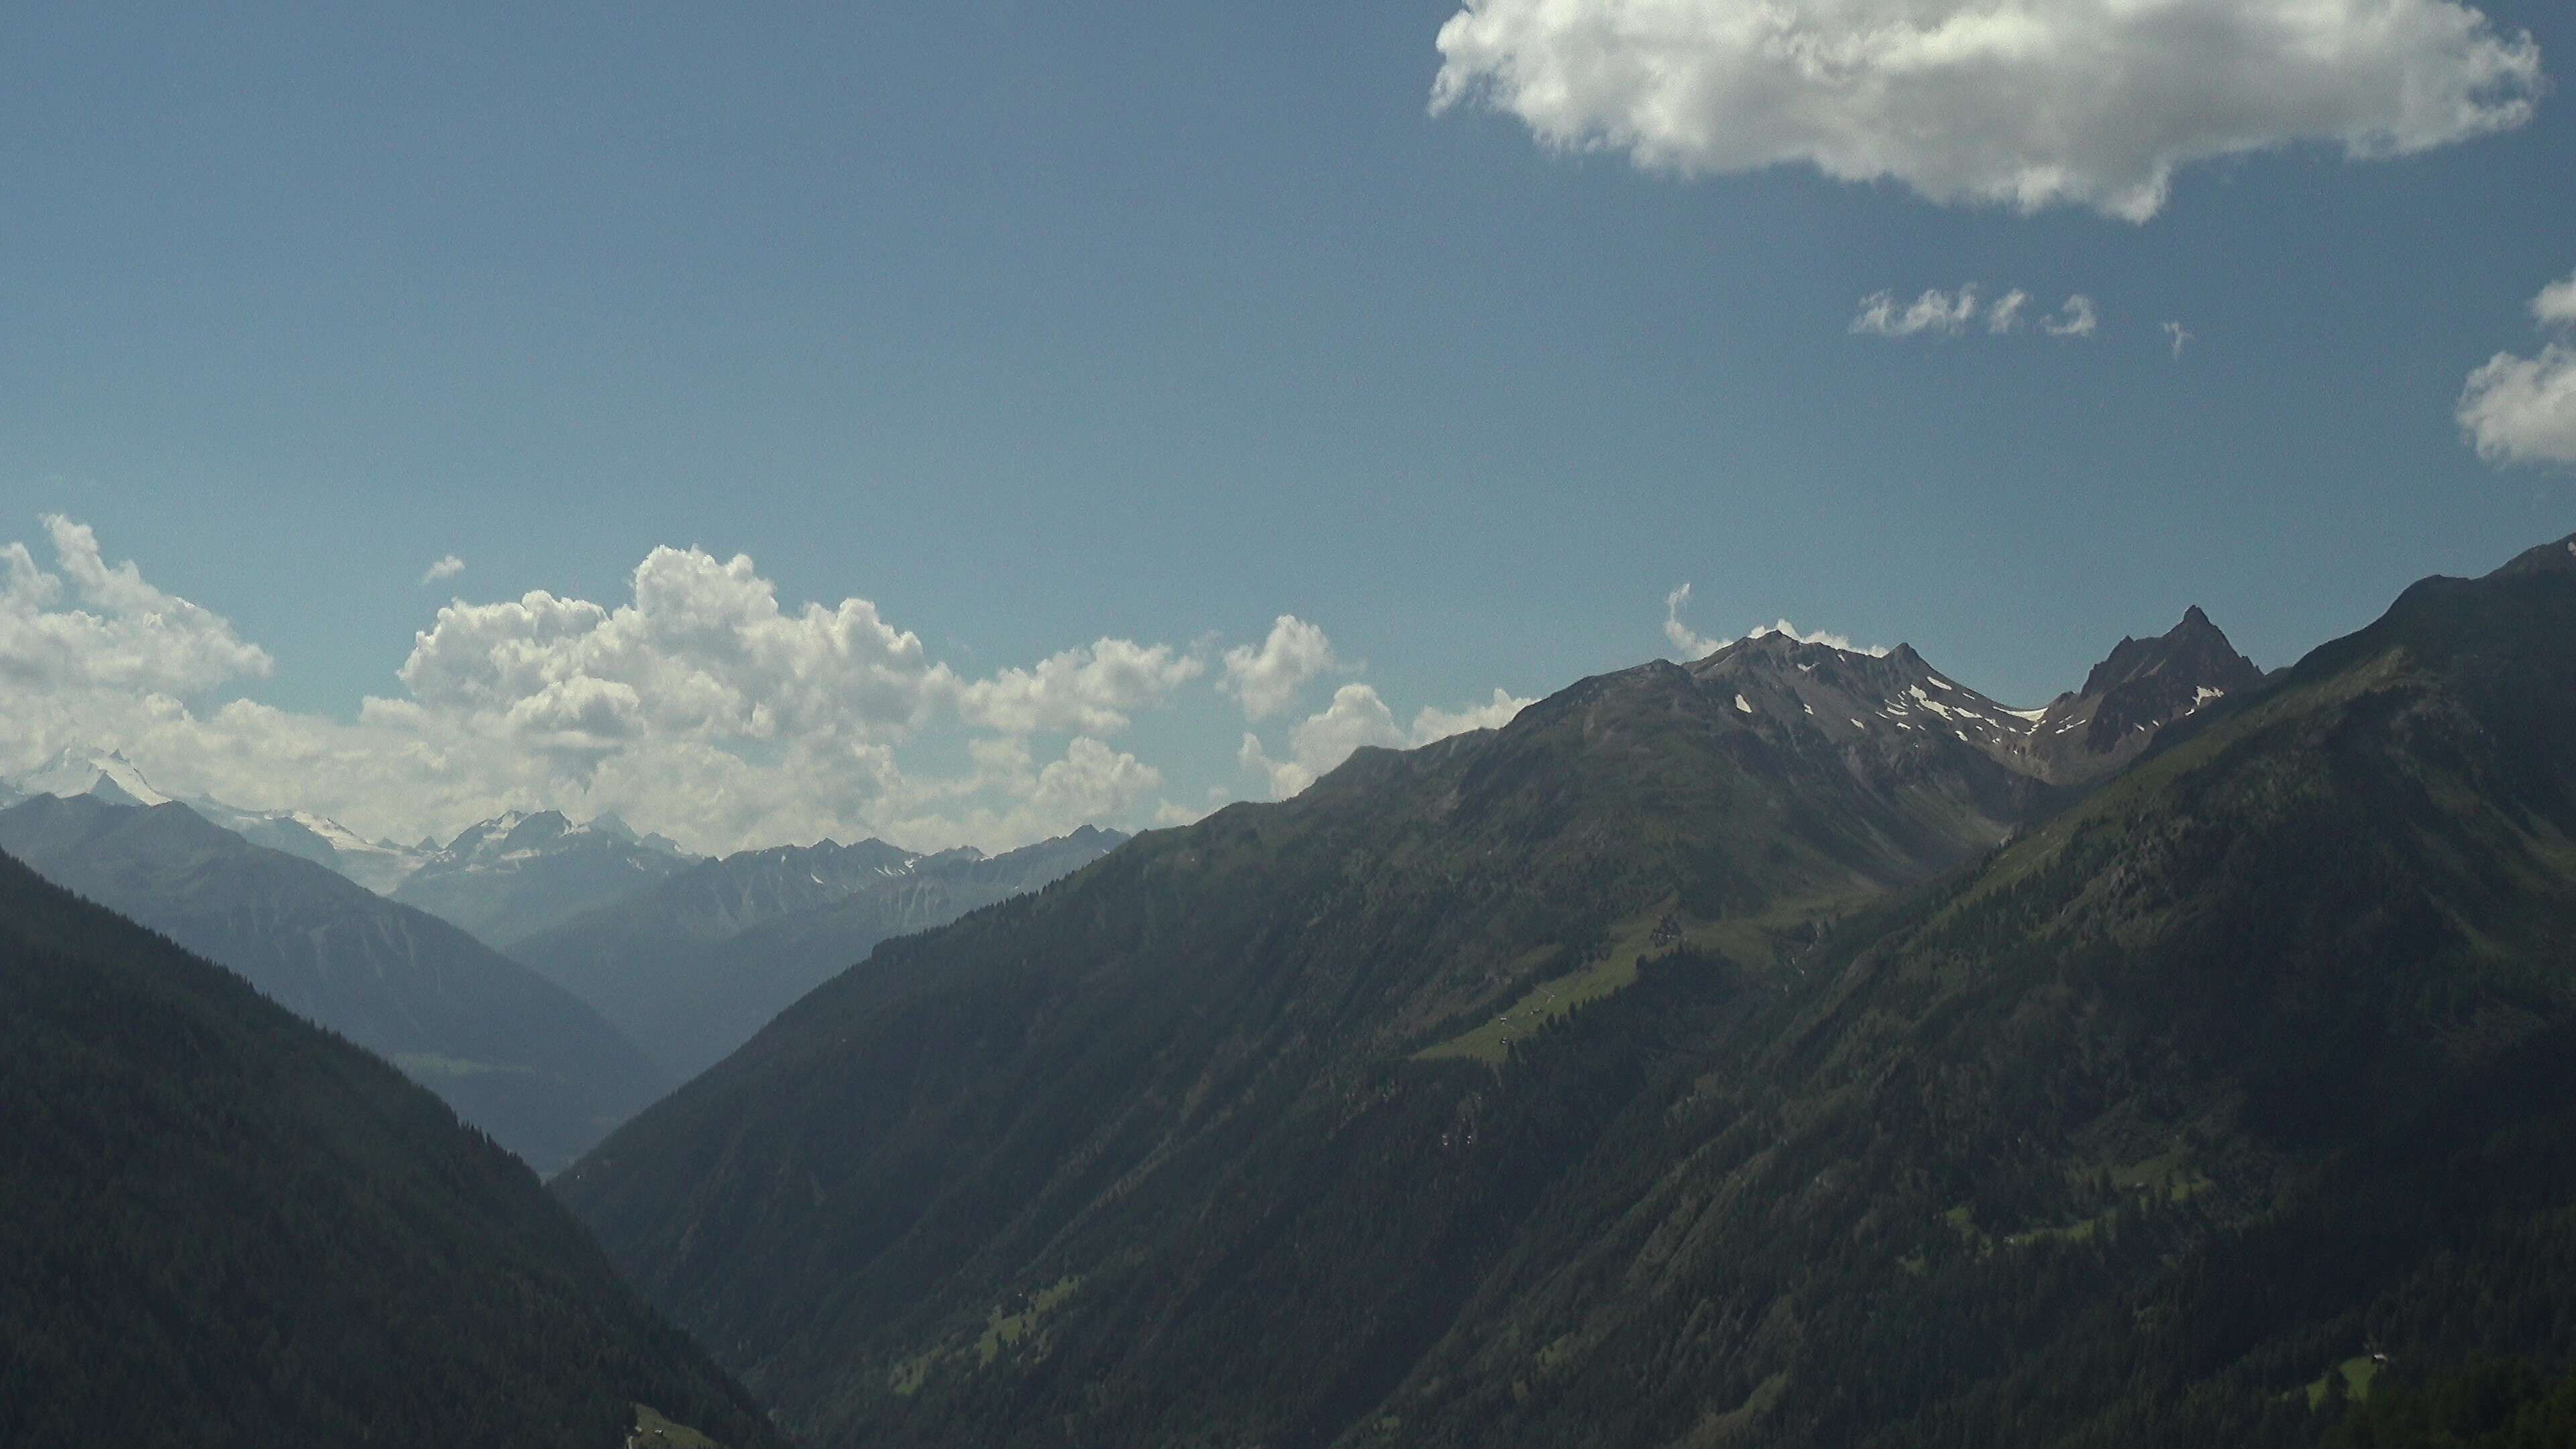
x=692 y=967
x=1775 y=1133
x=229 y=1227
x=516 y=1054
x=523 y=872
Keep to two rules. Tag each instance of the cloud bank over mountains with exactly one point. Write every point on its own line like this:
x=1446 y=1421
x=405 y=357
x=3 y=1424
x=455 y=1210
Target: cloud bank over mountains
x=2021 y=103
x=1357 y=717
x=1689 y=645
x=703 y=708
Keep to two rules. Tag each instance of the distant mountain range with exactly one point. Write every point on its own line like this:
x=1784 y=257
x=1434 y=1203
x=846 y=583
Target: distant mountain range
x=685 y=956
x=1793 y=1048
x=691 y=967
x=228 y=1228
x=515 y=1054
x=517 y=874
x=107 y=775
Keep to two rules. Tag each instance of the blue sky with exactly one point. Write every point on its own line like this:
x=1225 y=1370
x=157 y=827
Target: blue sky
x=1038 y=325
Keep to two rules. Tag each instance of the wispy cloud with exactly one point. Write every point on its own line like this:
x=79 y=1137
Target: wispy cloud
x=1687 y=642
x=2179 y=336
x=1942 y=313
x=1950 y=314
x=1691 y=645
x=2076 y=319
x=446 y=568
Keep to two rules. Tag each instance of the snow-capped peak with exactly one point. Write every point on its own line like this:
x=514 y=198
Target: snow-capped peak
x=106 y=774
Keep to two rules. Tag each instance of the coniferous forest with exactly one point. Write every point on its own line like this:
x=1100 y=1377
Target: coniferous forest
x=227 y=1227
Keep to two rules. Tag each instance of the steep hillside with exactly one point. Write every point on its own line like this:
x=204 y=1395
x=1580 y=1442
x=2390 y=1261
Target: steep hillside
x=1278 y=1130
x=1159 y=1056
x=515 y=1054
x=691 y=968
x=228 y=1228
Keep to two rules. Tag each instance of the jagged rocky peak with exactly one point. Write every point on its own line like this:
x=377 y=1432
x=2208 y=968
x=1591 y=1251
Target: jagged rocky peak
x=2193 y=655
x=495 y=829
x=609 y=822
x=2141 y=687
x=81 y=770
x=1895 y=698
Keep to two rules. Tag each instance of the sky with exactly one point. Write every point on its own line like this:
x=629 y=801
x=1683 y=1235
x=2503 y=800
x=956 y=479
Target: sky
x=958 y=423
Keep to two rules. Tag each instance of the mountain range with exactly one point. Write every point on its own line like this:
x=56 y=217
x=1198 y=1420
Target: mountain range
x=691 y=967
x=1791 y=1047
x=1794 y=1048
x=517 y=874
x=108 y=775
x=513 y=1053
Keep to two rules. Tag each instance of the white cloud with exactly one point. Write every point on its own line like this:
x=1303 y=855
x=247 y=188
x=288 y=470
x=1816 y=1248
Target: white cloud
x=1090 y=690
x=2075 y=319
x=2180 y=338
x=1266 y=679
x=123 y=633
x=447 y=567
x=2556 y=304
x=1439 y=724
x=2523 y=409
x=702 y=708
x=1687 y=643
x=1829 y=640
x=705 y=650
x=1948 y=314
x=1357 y=718
x=1169 y=813
x=1692 y=645
x=2026 y=103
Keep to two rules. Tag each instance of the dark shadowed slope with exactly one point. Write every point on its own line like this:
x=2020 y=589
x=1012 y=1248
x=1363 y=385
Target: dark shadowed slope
x=691 y=968
x=517 y=1055
x=1271 y=1130
x=228 y=1228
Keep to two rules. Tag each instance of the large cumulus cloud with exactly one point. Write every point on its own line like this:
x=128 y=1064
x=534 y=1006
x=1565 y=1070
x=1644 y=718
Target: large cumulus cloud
x=2025 y=103
x=701 y=706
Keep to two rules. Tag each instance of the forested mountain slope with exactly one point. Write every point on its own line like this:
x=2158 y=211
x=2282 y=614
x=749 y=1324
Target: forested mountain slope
x=1140 y=1079
x=226 y=1227
x=517 y=1055
x=2130 y=1133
